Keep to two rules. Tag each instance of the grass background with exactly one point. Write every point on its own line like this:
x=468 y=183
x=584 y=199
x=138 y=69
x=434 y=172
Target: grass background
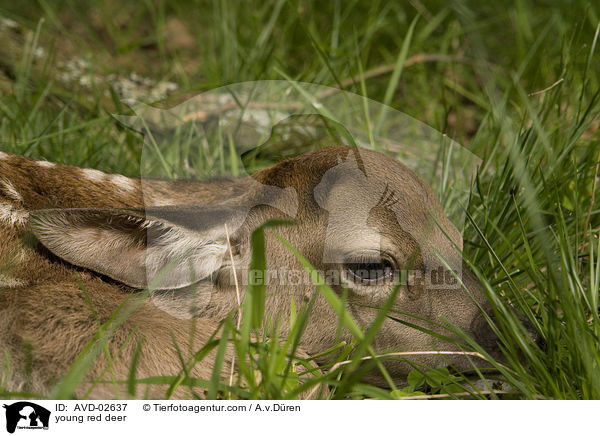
x=517 y=83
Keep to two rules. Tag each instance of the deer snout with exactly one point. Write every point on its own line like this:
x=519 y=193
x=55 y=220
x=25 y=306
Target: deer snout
x=482 y=324
x=486 y=337
x=481 y=327
x=484 y=333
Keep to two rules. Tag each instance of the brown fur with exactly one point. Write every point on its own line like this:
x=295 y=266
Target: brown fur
x=46 y=321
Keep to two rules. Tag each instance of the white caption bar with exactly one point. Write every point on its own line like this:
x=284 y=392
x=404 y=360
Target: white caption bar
x=296 y=417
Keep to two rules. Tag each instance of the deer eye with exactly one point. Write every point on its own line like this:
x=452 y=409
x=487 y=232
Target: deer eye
x=370 y=268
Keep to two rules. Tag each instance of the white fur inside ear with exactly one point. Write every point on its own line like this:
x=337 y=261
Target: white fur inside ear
x=178 y=257
x=136 y=251
x=100 y=248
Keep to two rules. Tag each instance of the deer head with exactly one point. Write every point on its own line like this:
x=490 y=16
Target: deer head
x=358 y=216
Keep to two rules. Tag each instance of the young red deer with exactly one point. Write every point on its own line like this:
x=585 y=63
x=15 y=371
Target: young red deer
x=358 y=215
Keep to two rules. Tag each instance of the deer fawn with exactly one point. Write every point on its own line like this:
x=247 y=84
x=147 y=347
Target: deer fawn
x=76 y=243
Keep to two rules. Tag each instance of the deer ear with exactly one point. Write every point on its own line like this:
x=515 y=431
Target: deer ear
x=140 y=248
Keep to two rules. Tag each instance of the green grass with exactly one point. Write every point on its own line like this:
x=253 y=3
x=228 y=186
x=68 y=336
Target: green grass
x=516 y=83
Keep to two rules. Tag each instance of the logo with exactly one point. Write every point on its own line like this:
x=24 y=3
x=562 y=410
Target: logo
x=26 y=415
